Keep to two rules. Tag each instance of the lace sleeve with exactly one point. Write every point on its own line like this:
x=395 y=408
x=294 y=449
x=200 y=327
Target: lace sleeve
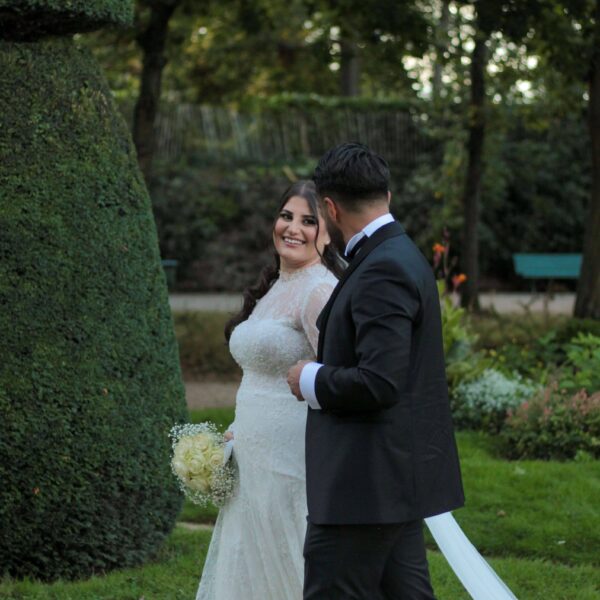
x=313 y=305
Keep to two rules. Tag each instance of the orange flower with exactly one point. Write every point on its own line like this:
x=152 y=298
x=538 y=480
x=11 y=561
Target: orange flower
x=439 y=248
x=458 y=279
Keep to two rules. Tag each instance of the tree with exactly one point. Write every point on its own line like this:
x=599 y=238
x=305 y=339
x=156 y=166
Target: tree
x=440 y=48
x=473 y=179
x=588 y=290
x=89 y=382
x=569 y=34
x=362 y=24
x=152 y=38
x=512 y=19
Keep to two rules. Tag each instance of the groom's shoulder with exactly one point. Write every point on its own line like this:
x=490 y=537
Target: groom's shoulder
x=401 y=249
x=401 y=255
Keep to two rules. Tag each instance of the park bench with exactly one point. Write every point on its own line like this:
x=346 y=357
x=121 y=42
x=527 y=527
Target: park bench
x=546 y=266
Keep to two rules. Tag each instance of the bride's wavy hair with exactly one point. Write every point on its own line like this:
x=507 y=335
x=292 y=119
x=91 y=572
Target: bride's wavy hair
x=270 y=273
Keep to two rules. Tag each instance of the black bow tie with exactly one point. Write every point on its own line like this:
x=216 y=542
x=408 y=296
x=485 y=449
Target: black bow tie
x=357 y=247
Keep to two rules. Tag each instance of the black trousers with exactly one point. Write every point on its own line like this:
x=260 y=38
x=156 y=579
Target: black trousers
x=366 y=562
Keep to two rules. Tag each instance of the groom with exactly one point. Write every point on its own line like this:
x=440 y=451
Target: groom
x=380 y=449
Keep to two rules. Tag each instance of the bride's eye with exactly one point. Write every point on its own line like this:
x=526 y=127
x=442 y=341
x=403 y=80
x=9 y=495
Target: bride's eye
x=285 y=215
x=310 y=221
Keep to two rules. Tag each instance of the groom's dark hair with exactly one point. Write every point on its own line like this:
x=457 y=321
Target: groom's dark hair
x=353 y=175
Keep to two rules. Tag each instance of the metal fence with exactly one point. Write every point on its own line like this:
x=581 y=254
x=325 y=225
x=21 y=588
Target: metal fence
x=289 y=134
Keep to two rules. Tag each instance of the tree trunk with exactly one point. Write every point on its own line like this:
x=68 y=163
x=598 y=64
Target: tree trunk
x=349 y=68
x=587 y=303
x=470 y=240
x=152 y=42
x=441 y=44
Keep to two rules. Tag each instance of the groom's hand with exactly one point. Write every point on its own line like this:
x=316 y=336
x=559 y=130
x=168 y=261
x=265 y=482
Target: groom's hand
x=293 y=378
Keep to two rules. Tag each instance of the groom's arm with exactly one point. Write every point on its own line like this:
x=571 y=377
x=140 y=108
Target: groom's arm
x=384 y=306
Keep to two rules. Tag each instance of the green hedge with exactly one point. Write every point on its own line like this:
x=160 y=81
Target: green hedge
x=30 y=19
x=287 y=100
x=89 y=379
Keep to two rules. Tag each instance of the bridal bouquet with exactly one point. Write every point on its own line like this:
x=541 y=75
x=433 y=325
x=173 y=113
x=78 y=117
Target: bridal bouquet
x=201 y=463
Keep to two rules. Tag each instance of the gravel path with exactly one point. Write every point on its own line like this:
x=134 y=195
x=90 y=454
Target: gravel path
x=209 y=394
x=557 y=304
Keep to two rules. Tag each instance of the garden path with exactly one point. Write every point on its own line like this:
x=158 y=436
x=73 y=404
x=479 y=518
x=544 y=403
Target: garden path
x=504 y=303
x=210 y=394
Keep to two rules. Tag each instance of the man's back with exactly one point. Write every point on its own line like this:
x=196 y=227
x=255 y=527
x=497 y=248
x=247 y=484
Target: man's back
x=382 y=449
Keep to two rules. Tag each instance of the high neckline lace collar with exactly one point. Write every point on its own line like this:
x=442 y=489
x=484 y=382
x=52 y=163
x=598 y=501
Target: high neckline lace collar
x=301 y=272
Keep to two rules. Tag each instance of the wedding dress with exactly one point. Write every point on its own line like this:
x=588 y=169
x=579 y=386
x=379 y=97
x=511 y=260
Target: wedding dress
x=256 y=547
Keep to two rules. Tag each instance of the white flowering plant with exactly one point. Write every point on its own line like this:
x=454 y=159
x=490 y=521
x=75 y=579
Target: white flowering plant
x=484 y=402
x=201 y=462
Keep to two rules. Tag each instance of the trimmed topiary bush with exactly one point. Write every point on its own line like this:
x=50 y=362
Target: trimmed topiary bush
x=89 y=380
x=30 y=19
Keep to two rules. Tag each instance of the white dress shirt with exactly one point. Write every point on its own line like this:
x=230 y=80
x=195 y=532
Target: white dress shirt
x=309 y=372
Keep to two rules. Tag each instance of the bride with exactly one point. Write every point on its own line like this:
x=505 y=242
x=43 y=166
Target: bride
x=256 y=547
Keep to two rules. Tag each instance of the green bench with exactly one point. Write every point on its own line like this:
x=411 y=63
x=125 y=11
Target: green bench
x=170 y=267
x=548 y=266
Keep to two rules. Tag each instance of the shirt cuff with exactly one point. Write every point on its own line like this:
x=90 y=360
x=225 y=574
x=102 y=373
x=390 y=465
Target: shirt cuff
x=307 y=384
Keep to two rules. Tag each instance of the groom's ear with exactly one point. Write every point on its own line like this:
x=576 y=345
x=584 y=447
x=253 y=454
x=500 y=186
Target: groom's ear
x=332 y=209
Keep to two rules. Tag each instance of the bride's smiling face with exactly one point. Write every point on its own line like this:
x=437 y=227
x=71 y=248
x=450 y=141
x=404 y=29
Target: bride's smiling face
x=298 y=233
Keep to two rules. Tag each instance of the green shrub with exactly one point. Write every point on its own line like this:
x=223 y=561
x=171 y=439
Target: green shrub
x=483 y=403
x=216 y=221
x=582 y=367
x=462 y=362
x=534 y=359
x=31 y=19
x=576 y=364
x=496 y=330
x=554 y=425
x=571 y=328
x=89 y=379
x=202 y=347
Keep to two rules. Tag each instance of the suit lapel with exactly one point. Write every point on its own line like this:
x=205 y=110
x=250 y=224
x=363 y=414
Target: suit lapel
x=386 y=232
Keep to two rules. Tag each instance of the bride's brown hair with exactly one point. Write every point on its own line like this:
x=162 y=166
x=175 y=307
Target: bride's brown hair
x=270 y=273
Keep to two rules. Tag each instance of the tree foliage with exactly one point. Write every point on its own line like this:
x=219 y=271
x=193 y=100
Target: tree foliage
x=535 y=96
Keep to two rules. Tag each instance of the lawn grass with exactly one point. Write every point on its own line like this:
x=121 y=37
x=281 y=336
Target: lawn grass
x=536 y=509
x=516 y=515
x=175 y=574
x=221 y=417
x=172 y=576
x=533 y=509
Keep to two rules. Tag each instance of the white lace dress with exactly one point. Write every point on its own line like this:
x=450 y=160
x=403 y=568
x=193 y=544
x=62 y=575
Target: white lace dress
x=256 y=548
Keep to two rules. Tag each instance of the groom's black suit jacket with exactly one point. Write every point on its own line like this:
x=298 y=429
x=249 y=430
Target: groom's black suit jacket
x=382 y=448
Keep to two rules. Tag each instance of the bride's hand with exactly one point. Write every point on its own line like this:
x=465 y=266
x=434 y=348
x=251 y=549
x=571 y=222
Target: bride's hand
x=228 y=435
